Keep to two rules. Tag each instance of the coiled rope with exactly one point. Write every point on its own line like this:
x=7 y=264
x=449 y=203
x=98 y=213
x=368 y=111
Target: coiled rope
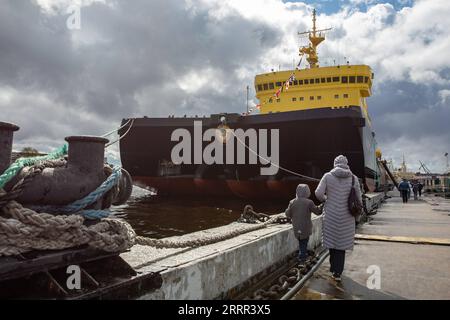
x=23 y=229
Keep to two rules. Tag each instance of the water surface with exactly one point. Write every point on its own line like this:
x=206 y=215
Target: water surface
x=159 y=217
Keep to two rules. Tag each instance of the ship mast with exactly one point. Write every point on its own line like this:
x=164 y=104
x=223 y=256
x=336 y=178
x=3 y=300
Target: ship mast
x=316 y=37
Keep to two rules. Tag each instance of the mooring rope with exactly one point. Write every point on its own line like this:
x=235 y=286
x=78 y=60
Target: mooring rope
x=122 y=136
x=94 y=196
x=94 y=214
x=19 y=187
x=38 y=228
x=20 y=163
x=23 y=229
x=249 y=221
x=114 y=131
x=273 y=163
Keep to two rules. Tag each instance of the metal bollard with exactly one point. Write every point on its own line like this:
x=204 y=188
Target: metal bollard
x=6 y=141
x=86 y=153
x=62 y=185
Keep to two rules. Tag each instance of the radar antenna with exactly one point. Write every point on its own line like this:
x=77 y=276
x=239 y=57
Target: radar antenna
x=316 y=37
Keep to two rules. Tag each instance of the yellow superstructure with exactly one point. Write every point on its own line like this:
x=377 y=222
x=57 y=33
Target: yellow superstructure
x=315 y=87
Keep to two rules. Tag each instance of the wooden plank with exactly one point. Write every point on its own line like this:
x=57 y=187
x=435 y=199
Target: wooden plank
x=35 y=262
x=413 y=240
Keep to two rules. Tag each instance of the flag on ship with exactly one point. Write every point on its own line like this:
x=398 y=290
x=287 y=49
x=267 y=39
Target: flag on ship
x=277 y=94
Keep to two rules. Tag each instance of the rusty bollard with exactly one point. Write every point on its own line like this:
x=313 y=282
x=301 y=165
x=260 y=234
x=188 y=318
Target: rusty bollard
x=62 y=185
x=6 y=141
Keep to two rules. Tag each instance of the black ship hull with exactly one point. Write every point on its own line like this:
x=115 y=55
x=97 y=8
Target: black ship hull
x=309 y=140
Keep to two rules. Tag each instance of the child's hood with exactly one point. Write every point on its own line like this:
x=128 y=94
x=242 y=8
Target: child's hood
x=303 y=191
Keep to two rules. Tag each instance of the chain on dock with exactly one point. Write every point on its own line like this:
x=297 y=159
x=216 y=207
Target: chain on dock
x=288 y=283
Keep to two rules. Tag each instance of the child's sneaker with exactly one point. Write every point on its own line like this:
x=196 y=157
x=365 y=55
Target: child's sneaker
x=336 y=277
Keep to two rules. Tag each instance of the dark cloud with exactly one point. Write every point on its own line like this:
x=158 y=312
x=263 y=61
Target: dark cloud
x=404 y=108
x=158 y=58
x=89 y=79
x=411 y=120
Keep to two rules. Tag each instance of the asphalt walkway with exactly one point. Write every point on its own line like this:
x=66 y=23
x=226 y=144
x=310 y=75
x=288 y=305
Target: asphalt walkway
x=408 y=268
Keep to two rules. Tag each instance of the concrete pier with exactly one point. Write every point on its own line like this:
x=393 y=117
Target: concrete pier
x=412 y=256
x=213 y=271
x=218 y=270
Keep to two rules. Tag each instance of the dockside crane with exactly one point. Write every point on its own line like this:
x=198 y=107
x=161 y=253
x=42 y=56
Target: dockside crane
x=424 y=167
x=391 y=176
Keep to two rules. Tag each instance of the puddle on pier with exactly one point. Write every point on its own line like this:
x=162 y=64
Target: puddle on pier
x=159 y=217
x=322 y=287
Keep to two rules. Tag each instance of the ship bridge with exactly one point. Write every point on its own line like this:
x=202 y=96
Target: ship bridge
x=321 y=87
x=314 y=87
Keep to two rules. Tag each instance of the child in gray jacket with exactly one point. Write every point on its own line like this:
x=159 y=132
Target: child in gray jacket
x=299 y=210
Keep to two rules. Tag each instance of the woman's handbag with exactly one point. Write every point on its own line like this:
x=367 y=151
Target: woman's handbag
x=354 y=205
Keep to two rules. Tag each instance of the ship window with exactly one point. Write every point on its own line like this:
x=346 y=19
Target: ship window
x=345 y=95
x=329 y=79
x=302 y=99
x=300 y=82
x=278 y=100
x=306 y=81
x=344 y=79
x=336 y=96
x=295 y=82
x=278 y=84
x=294 y=99
x=317 y=80
x=319 y=97
x=271 y=86
x=311 y=98
x=360 y=79
x=335 y=79
x=366 y=79
x=266 y=86
x=323 y=80
x=311 y=81
x=352 y=79
x=260 y=87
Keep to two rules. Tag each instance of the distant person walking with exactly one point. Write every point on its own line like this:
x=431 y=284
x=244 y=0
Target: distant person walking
x=420 y=189
x=403 y=187
x=415 y=190
x=299 y=210
x=409 y=190
x=338 y=223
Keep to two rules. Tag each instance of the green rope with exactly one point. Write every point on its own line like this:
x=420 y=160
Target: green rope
x=20 y=163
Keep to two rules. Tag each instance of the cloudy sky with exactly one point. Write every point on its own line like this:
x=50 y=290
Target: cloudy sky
x=195 y=57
